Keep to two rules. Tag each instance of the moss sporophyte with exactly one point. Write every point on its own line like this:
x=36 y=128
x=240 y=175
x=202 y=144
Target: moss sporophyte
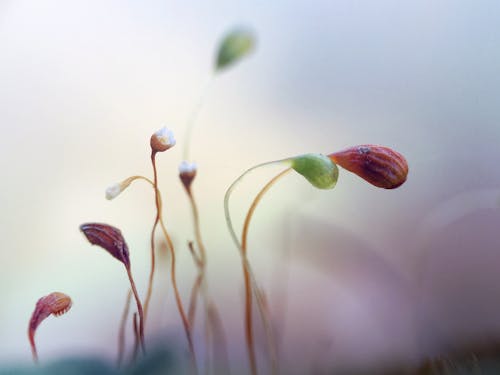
x=56 y=304
x=111 y=240
x=379 y=165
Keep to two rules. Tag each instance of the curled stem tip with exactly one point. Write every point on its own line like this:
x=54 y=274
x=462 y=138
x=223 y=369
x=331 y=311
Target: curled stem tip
x=56 y=304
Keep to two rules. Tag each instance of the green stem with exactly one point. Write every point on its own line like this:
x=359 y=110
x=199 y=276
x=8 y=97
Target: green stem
x=194 y=115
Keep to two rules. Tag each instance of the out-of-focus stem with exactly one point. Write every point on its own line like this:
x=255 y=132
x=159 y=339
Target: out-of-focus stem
x=248 y=292
x=178 y=300
x=121 y=334
x=212 y=327
x=139 y=309
x=249 y=278
x=194 y=298
x=34 y=352
x=136 y=336
x=193 y=116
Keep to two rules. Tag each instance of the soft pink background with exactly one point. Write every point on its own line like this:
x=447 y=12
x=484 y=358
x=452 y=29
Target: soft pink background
x=356 y=275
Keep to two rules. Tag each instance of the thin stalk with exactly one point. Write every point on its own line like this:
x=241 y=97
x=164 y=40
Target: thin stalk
x=249 y=278
x=201 y=287
x=153 y=231
x=131 y=179
x=197 y=230
x=121 y=334
x=34 y=352
x=193 y=116
x=193 y=298
x=220 y=344
x=248 y=292
x=136 y=335
x=159 y=220
x=139 y=309
x=170 y=244
x=178 y=300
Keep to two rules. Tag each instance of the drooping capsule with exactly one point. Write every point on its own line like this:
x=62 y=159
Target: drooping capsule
x=379 y=165
x=56 y=304
x=109 y=238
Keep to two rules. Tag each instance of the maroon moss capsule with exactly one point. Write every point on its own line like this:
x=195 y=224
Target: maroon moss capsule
x=379 y=165
x=109 y=238
x=55 y=303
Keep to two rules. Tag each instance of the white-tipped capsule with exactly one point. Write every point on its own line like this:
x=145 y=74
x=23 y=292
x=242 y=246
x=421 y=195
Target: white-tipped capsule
x=113 y=191
x=187 y=167
x=187 y=173
x=116 y=189
x=162 y=140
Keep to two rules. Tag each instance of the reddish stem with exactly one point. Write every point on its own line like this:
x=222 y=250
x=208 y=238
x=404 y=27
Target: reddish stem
x=157 y=219
x=31 y=336
x=121 y=334
x=139 y=309
x=248 y=285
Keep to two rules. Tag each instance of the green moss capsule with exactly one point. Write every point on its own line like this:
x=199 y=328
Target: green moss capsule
x=233 y=47
x=318 y=169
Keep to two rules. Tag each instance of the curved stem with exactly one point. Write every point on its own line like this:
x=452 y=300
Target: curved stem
x=194 y=116
x=34 y=352
x=121 y=334
x=178 y=300
x=193 y=298
x=220 y=345
x=213 y=325
x=131 y=179
x=197 y=230
x=249 y=278
x=137 y=339
x=159 y=220
x=153 y=231
x=258 y=295
x=139 y=309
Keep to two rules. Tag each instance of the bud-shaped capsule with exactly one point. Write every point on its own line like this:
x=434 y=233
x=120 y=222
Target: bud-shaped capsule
x=109 y=238
x=318 y=169
x=162 y=140
x=379 y=165
x=233 y=47
x=187 y=173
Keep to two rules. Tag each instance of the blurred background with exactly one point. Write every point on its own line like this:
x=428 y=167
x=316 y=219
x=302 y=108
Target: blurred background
x=356 y=277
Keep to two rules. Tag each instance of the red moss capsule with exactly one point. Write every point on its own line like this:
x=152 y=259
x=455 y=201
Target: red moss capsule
x=55 y=303
x=379 y=165
x=109 y=238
